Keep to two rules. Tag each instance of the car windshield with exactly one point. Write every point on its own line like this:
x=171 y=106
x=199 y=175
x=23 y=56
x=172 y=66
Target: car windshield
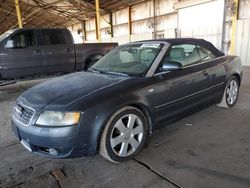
x=6 y=34
x=133 y=59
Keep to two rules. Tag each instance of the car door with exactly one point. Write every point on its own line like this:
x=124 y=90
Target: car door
x=23 y=55
x=217 y=73
x=182 y=90
x=59 y=52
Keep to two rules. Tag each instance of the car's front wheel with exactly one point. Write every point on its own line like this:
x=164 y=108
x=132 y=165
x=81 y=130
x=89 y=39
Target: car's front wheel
x=124 y=135
x=231 y=93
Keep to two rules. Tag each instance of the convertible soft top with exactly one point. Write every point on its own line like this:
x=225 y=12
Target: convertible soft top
x=200 y=42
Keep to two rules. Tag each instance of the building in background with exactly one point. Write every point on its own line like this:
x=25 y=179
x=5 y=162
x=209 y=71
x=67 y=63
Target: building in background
x=160 y=19
x=243 y=32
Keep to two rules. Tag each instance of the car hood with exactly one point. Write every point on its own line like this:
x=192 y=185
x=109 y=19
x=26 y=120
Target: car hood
x=69 y=87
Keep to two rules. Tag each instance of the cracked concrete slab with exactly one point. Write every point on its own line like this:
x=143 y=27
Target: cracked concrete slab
x=207 y=149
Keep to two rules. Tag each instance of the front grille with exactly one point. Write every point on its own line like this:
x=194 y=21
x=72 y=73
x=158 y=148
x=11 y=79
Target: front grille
x=23 y=113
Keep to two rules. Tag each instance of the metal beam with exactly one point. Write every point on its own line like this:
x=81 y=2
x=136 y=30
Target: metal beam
x=84 y=30
x=189 y=3
x=44 y=7
x=7 y=15
x=85 y=5
x=7 y=11
x=18 y=13
x=98 y=32
x=129 y=23
x=28 y=16
x=111 y=25
x=154 y=12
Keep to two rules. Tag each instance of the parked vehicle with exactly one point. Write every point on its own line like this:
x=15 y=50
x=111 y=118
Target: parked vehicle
x=124 y=97
x=37 y=52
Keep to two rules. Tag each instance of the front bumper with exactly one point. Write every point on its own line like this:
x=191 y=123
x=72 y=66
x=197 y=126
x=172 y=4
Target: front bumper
x=59 y=142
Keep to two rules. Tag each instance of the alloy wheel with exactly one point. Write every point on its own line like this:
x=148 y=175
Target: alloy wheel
x=126 y=135
x=232 y=92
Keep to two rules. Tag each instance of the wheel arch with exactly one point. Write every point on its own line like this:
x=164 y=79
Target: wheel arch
x=146 y=112
x=141 y=107
x=88 y=58
x=238 y=77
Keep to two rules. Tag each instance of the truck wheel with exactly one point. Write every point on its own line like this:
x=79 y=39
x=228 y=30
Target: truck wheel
x=124 y=135
x=231 y=93
x=92 y=60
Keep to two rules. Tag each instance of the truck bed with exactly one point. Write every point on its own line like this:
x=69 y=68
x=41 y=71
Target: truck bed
x=84 y=52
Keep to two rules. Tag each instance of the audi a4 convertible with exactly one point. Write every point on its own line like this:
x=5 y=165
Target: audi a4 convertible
x=115 y=106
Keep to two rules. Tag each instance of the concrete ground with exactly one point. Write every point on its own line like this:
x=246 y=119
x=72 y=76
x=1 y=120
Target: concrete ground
x=208 y=149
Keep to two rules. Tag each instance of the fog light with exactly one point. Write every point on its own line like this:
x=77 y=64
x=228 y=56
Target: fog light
x=53 y=151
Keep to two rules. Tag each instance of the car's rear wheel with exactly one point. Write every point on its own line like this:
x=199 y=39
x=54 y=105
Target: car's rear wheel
x=231 y=93
x=124 y=135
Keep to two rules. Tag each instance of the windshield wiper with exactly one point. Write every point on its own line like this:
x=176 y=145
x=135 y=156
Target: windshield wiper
x=94 y=70
x=116 y=73
x=108 y=72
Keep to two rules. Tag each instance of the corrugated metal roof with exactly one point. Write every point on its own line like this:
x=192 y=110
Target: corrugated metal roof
x=55 y=13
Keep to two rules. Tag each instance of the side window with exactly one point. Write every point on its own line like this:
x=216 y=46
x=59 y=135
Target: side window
x=21 y=40
x=205 y=54
x=186 y=54
x=53 y=37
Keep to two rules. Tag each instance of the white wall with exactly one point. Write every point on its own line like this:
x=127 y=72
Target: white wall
x=243 y=33
x=244 y=9
x=203 y=21
x=141 y=16
x=78 y=37
x=243 y=41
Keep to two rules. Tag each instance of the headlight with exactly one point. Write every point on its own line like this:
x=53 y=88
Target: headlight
x=51 y=118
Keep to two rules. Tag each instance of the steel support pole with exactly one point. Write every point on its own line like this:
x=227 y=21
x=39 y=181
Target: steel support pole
x=84 y=31
x=98 y=32
x=154 y=11
x=129 y=23
x=18 y=13
x=111 y=25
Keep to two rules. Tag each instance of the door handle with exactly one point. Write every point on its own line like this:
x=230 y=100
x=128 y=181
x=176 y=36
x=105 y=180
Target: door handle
x=205 y=73
x=36 y=51
x=67 y=50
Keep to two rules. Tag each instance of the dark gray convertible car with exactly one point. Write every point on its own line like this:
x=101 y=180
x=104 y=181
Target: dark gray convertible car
x=115 y=106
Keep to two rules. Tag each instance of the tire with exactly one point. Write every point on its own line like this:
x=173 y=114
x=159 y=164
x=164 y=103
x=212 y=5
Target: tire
x=231 y=93
x=127 y=128
x=91 y=61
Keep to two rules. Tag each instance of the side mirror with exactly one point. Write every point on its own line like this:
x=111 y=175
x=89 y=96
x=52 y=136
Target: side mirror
x=171 y=66
x=9 y=44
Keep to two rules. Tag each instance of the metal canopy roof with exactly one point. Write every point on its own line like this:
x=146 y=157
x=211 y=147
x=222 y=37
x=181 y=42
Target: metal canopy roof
x=55 y=13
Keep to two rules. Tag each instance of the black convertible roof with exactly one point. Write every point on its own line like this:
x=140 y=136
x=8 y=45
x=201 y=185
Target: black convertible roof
x=200 y=42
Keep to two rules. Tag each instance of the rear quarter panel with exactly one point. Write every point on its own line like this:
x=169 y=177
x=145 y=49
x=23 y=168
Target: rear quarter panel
x=233 y=67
